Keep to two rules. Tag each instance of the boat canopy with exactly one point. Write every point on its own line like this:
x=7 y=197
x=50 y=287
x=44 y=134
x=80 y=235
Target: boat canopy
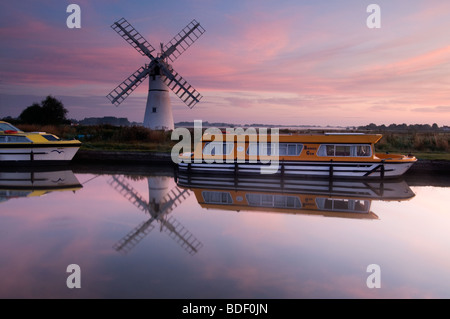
x=346 y=138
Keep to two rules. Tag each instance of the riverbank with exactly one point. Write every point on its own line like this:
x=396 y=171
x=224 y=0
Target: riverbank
x=140 y=158
x=122 y=157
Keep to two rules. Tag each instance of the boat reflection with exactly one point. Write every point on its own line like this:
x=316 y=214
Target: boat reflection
x=158 y=207
x=333 y=198
x=31 y=182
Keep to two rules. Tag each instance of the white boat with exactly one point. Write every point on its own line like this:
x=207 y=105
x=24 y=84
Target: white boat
x=18 y=147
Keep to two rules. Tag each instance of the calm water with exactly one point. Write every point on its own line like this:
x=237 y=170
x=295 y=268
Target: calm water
x=147 y=235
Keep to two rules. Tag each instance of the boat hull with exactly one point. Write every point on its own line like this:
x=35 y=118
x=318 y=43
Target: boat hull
x=325 y=169
x=37 y=155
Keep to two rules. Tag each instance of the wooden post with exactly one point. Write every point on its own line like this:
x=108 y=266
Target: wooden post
x=236 y=168
x=331 y=169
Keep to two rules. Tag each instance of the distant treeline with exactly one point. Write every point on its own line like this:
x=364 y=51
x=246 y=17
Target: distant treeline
x=405 y=128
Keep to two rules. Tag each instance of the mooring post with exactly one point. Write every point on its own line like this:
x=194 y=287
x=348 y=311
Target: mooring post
x=175 y=173
x=331 y=169
x=235 y=174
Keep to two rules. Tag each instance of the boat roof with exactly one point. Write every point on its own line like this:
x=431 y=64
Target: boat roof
x=332 y=137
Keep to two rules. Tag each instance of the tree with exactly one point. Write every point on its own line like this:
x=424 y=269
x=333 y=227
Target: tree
x=50 y=111
x=435 y=127
x=32 y=114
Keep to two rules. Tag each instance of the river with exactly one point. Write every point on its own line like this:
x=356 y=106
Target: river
x=108 y=232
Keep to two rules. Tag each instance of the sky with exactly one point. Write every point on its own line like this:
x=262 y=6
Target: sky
x=283 y=62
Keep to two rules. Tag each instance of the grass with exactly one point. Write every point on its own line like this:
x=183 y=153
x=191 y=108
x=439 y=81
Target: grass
x=130 y=147
x=110 y=138
x=423 y=145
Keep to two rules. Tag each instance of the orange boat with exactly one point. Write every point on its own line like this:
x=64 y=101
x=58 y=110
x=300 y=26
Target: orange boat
x=350 y=155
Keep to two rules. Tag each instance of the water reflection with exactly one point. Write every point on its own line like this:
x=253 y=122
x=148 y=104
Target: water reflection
x=31 y=182
x=161 y=202
x=147 y=233
x=333 y=198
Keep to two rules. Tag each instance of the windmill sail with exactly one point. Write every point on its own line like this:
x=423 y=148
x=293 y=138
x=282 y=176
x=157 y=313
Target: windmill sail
x=181 y=87
x=125 y=88
x=130 y=240
x=183 y=40
x=133 y=37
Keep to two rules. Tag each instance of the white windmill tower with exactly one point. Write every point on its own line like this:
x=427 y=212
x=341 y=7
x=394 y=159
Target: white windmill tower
x=158 y=112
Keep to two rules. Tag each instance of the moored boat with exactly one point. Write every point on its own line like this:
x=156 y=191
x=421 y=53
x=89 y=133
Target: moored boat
x=347 y=155
x=18 y=147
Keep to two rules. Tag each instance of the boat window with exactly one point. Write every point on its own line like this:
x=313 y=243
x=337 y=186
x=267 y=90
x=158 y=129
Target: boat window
x=276 y=201
x=360 y=150
x=284 y=149
x=14 y=139
x=342 y=150
x=252 y=149
x=7 y=126
x=343 y=205
x=50 y=137
x=213 y=197
x=218 y=148
x=330 y=150
x=291 y=149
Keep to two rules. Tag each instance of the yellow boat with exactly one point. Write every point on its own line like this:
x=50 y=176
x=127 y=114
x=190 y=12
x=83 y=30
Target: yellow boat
x=18 y=147
x=349 y=155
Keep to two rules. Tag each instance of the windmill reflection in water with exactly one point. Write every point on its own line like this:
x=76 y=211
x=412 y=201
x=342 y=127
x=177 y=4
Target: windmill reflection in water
x=159 y=206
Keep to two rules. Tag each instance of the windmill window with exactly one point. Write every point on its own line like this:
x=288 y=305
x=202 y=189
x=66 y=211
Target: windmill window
x=154 y=110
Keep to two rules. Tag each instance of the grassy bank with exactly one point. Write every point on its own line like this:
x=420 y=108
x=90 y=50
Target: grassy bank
x=110 y=138
x=424 y=145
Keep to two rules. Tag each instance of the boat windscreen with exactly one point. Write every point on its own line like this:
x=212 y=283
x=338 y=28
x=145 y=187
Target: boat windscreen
x=8 y=127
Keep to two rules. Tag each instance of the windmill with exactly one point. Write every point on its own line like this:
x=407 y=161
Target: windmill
x=160 y=204
x=158 y=111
